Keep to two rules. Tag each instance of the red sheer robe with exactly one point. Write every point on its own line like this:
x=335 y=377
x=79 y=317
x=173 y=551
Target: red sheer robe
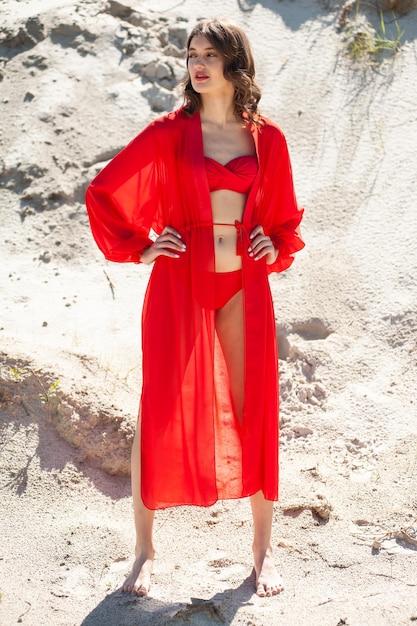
x=194 y=450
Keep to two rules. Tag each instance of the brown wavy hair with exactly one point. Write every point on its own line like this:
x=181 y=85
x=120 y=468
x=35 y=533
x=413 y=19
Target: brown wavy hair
x=239 y=68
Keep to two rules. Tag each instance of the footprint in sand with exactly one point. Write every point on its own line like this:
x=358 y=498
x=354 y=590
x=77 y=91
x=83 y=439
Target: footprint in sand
x=225 y=568
x=354 y=456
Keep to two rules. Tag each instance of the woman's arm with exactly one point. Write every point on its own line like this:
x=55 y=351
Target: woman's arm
x=123 y=201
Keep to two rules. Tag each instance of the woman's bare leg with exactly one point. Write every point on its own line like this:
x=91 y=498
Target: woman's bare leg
x=268 y=581
x=230 y=330
x=139 y=580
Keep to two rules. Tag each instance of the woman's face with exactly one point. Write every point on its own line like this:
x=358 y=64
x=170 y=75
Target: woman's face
x=206 y=66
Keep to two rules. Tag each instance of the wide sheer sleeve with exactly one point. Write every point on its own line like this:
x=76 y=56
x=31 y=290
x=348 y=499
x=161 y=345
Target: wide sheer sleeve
x=123 y=201
x=281 y=220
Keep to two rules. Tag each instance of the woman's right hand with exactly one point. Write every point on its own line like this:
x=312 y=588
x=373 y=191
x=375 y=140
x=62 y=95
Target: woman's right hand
x=168 y=243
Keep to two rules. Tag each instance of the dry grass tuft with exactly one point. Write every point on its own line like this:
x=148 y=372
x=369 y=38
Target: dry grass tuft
x=367 y=39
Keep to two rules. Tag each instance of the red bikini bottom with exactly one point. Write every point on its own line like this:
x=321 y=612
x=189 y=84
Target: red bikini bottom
x=214 y=289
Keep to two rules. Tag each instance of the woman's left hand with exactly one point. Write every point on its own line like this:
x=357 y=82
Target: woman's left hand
x=262 y=246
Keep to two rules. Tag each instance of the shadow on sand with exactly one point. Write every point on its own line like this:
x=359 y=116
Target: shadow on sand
x=293 y=14
x=122 y=609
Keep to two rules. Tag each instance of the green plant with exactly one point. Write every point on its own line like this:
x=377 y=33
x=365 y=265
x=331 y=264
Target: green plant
x=17 y=372
x=129 y=371
x=47 y=394
x=366 y=42
x=383 y=41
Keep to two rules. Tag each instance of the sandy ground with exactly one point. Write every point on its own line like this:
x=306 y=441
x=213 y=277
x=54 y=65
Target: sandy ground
x=77 y=81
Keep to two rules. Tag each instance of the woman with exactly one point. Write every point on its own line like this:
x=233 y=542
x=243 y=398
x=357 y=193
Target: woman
x=213 y=180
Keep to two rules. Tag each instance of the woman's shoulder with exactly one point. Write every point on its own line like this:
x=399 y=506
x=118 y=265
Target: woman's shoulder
x=172 y=119
x=169 y=124
x=271 y=135
x=270 y=127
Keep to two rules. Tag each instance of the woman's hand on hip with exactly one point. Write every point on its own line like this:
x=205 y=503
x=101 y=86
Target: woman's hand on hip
x=262 y=246
x=168 y=243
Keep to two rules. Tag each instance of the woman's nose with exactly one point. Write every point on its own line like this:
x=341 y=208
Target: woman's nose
x=198 y=61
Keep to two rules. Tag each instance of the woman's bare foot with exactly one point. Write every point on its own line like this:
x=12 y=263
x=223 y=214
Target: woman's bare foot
x=139 y=580
x=268 y=581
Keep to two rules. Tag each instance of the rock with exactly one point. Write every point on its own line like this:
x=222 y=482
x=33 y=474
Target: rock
x=163 y=37
x=157 y=70
x=173 y=51
x=146 y=57
x=71 y=34
x=66 y=30
x=178 y=35
x=26 y=34
x=302 y=431
x=160 y=99
x=163 y=70
x=117 y=9
x=318 y=505
x=46 y=257
x=35 y=29
x=179 y=70
x=319 y=391
x=322 y=507
x=302 y=394
x=35 y=60
x=136 y=19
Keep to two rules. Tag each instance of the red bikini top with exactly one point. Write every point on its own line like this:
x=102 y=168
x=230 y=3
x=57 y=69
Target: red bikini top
x=237 y=175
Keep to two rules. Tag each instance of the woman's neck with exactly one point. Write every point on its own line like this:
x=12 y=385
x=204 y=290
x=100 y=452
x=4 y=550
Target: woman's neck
x=217 y=110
